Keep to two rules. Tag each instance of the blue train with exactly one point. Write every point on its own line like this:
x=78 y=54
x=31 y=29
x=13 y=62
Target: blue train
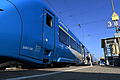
x=32 y=34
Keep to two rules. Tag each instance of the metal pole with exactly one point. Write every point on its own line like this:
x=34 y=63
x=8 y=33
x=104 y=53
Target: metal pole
x=115 y=21
x=119 y=44
x=117 y=28
x=105 y=53
x=113 y=7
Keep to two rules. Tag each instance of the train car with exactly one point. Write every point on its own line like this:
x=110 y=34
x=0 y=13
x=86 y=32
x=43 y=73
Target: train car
x=31 y=34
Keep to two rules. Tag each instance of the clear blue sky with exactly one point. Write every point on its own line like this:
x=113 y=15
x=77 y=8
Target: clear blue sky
x=92 y=15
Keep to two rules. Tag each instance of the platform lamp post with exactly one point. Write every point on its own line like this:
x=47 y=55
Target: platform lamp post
x=115 y=20
x=115 y=23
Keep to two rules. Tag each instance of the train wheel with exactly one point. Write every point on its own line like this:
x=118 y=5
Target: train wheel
x=51 y=65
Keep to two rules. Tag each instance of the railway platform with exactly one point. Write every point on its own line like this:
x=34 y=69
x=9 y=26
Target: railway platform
x=64 y=73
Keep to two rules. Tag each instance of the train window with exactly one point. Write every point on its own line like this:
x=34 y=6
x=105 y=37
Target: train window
x=63 y=37
x=1 y=10
x=49 y=20
x=79 y=48
x=72 y=43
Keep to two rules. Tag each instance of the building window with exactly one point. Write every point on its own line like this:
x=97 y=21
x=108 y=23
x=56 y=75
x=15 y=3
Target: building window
x=49 y=20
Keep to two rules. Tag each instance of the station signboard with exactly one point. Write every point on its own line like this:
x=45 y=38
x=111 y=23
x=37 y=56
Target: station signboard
x=111 y=24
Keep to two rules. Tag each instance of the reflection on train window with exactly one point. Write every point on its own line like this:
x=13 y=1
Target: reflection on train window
x=74 y=45
x=63 y=37
x=78 y=48
x=49 y=20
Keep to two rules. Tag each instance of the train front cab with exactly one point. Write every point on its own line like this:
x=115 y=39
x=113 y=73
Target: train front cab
x=10 y=31
x=38 y=31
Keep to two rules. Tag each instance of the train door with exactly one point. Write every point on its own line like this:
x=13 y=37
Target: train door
x=48 y=32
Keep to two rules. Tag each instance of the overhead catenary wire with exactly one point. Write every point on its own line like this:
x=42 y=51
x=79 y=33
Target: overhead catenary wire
x=81 y=24
x=94 y=22
x=54 y=10
x=59 y=14
x=97 y=35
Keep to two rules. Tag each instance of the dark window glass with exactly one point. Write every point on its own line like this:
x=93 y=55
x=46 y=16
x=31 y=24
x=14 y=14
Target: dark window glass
x=78 y=48
x=63 y=37
x=1 y=10
x=73 y=44
x=49 y=20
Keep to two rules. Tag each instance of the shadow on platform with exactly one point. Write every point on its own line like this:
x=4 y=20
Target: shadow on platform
x=59 y=76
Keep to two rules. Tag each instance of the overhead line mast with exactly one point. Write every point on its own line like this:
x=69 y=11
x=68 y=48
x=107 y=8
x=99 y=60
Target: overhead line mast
x=113 y=7
x=115 y=17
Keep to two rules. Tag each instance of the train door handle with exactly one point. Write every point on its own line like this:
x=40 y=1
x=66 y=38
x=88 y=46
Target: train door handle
x=46 y=40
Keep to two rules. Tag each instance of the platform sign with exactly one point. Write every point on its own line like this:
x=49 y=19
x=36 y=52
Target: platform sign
x=115 y=16
x=112 y=24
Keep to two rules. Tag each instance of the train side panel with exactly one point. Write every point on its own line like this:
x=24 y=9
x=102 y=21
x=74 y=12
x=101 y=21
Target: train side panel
x=63 y=52
x=37 y=43
x=10 y=30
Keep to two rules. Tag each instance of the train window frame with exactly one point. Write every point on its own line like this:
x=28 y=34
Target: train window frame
x=79 y=48
x=49 y=20
x=73 y=44
x=61 y=37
